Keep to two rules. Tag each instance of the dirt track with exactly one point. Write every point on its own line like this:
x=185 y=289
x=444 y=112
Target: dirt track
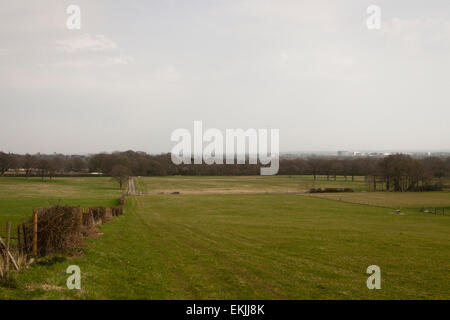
x=131 y=189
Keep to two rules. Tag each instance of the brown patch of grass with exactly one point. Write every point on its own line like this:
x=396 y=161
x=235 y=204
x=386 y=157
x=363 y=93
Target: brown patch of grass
x=45 y=287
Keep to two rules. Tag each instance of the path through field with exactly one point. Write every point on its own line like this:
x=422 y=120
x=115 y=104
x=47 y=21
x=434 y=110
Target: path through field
x=131 y=190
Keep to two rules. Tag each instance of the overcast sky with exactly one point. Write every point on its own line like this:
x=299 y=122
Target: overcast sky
x=137 y=70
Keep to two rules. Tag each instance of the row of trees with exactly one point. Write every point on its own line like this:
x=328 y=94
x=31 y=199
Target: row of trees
x=396 y=172
x=403 y=173
x=43 y=165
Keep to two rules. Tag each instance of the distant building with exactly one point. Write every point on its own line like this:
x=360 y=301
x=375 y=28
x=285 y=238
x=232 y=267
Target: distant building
x=344 y=153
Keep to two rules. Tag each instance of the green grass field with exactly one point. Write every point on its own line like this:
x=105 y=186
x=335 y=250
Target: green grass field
x=214 y=241
x=408 y=201
x=19 y=196
x=243 y=184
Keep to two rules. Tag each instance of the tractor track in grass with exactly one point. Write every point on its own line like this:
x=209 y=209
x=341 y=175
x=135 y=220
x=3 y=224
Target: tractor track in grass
x=131 y=189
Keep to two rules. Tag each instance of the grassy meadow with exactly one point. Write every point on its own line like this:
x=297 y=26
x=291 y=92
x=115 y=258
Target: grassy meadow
x=243 y=184
x=241 y=238
x=20 y=195
x=406 y=201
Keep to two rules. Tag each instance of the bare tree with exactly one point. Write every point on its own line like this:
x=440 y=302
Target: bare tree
x=56 y=164
x=29 y=163
x=78 y=164
x=5 y=162
x=43 y=166
x=120 y=173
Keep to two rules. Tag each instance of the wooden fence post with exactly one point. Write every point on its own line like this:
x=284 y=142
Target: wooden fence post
x=8 y=253
x=25 y=240
x=35 y=232
x=92 y=217
x=81 y=222
x=8 y=242
x=19 y=246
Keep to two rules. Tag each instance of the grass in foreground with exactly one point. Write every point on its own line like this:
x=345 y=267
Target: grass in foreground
x=253 y=247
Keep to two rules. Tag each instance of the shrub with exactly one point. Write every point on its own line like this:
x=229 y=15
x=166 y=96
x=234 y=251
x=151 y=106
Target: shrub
x=330 y=190
x=58 y=228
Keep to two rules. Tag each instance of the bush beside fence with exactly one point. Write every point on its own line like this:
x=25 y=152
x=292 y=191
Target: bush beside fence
x=54 y=229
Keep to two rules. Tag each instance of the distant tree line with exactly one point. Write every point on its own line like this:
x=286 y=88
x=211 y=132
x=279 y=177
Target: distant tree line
x=395 y=172
x=43 y=165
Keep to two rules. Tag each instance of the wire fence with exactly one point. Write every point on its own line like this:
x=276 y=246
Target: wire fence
x=51 y=230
